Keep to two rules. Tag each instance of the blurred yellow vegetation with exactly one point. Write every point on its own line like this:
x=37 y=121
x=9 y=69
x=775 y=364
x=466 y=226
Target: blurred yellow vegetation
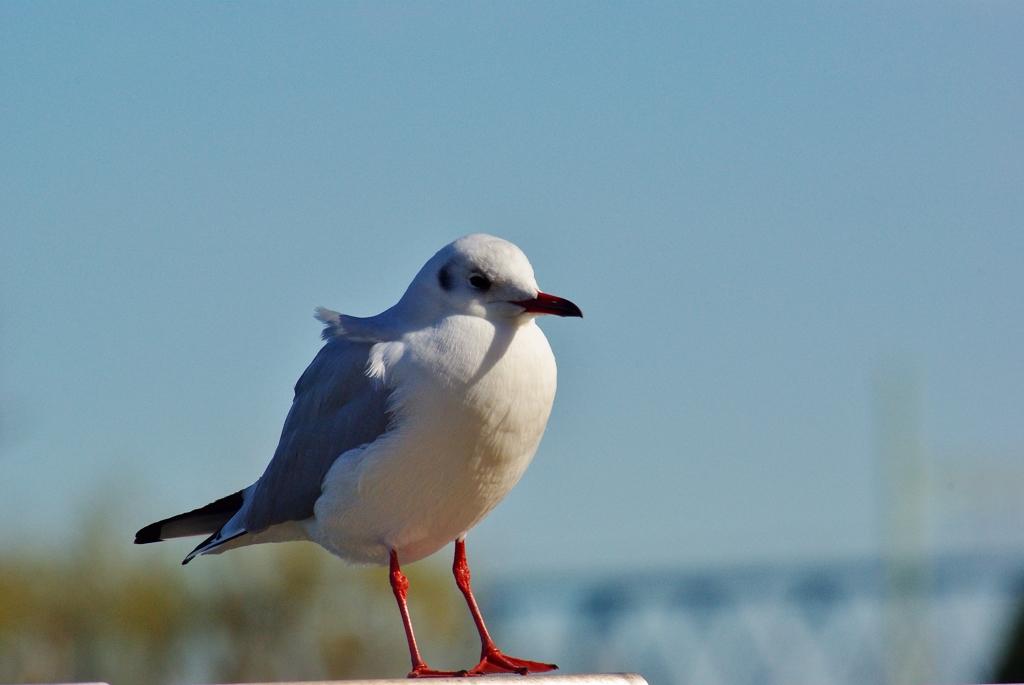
x=109 y=611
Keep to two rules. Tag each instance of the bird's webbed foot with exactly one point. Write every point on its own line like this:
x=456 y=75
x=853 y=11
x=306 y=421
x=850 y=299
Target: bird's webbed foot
x=493 y=661
x=424 y=671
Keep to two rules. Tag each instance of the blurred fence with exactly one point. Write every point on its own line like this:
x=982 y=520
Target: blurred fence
x=790 y=625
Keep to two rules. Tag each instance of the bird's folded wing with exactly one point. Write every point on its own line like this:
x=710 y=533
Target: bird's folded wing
x=337 y=407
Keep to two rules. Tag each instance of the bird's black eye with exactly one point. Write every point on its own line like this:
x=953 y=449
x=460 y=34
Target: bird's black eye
x=480 y=282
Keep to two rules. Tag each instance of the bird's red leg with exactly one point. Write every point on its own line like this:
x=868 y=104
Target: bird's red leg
x=400 y=586
x=491 y=659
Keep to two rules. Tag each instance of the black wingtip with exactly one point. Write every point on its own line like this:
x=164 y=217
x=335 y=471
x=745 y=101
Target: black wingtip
x=150 y=533
x=201 y=521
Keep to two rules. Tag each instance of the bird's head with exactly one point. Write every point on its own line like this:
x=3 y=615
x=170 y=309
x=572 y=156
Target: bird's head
x=480 y=275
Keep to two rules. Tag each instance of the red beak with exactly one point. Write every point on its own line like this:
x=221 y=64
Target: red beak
x=549 y=304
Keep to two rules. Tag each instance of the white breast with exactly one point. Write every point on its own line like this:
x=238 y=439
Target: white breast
x=471 y=402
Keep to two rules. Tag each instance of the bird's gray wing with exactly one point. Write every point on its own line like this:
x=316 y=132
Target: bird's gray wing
x=337 y=407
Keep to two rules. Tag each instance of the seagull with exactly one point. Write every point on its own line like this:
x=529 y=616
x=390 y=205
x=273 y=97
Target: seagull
x=406 y=430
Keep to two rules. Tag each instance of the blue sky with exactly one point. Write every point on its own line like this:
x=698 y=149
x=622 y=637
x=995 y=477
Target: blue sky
x=753 y=206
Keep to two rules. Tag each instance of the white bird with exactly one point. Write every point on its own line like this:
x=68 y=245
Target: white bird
x=407 y=429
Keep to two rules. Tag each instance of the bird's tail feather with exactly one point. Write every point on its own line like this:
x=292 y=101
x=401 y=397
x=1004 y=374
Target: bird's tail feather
x=211 y=543
x=206 y=520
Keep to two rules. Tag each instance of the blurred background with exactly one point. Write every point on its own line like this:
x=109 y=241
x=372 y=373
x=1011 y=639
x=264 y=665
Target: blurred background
x=788 y=443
